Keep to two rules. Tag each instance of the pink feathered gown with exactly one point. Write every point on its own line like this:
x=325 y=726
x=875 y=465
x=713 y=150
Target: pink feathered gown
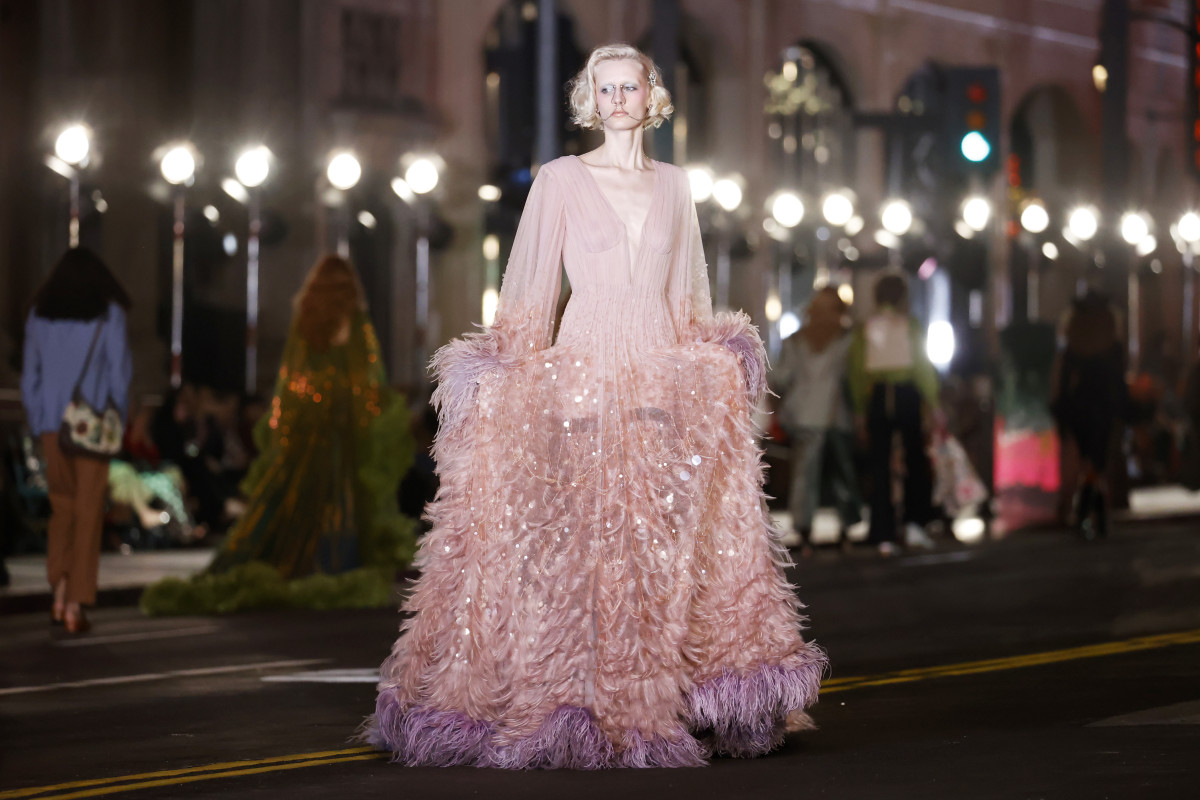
x=602 y=585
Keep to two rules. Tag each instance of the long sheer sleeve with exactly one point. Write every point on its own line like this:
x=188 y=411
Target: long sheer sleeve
x=533 y=277
x=688 y=294
x=524 y=320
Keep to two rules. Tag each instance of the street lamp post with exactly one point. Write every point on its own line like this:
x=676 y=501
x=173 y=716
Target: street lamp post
x=72 y=148
x=178 y=167
x=421 y=175
x=344 y=173
x=252 y=169
x=728 y=194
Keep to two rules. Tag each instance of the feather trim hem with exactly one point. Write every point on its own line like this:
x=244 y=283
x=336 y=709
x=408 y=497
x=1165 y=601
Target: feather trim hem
x=736 y=332
x=748 y=714
x=568 y=738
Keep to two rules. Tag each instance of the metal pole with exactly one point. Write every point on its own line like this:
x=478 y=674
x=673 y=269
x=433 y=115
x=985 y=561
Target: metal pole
x=422 y=287
x=177 y=294
x=1189 y=295
x=343 y=229
x=73 y=230
x=1033 y=287
x=547 y=82
x=252 y=295
x=665 y=47
x=422 y=297
x=723 y=267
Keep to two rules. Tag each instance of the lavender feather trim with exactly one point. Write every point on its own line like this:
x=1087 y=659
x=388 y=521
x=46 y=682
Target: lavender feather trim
x=748 y=713
x=658 y=751
x=424 y=737
x=735 y=331
x=569 y=738
x=458 y=368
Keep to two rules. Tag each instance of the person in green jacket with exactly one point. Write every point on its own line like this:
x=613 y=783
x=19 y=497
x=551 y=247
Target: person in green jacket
x=894 y=389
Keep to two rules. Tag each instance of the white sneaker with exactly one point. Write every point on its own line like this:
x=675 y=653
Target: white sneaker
x=888 y=549
x=915 y=536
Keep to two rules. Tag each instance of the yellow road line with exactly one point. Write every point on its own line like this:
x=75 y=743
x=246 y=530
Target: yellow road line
x=1012 y=662
x=166 y=773
x=103 y=790
x=231 y=769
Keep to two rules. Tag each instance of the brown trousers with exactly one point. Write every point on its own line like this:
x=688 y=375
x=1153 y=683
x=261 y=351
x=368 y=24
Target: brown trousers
x=78 y=487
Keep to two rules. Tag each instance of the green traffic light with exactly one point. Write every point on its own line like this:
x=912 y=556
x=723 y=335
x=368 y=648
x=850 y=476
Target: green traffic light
x=975 y=147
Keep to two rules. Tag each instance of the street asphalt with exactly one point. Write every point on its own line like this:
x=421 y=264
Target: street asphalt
x=1034 y=667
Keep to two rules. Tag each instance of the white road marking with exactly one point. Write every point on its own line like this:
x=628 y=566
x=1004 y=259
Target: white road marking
x=87 y=641
x=327 y=676
x=1178 y=714
x=146 y=677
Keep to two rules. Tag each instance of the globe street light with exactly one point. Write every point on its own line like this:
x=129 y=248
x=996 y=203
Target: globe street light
x=73 y=145
x=422 y=175
x=1034 y=217
x=1189 y=227
x=701 y=181
x=837 y=208
x=727 y=193
x=178 y=167
x=1134 y=227
x=344 y=171
x=976 y=212
x=252 y=169
x=1083 y=223
x=897 y=217
x=787 y=209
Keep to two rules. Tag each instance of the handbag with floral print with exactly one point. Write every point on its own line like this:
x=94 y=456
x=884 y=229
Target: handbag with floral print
x=85 y=431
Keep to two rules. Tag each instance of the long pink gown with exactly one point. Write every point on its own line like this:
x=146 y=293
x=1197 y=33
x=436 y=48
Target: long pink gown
x=602 y=585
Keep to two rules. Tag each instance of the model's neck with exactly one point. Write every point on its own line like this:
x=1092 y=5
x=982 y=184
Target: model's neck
x=623 y=150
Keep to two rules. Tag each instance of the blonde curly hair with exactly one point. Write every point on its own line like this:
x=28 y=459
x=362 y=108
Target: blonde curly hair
x=583 y=87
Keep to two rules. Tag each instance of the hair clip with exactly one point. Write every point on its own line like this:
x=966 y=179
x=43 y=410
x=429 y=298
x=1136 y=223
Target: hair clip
x=653 y=78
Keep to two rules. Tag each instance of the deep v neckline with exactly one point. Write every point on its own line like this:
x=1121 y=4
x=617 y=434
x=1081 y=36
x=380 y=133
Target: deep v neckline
x=641 y=240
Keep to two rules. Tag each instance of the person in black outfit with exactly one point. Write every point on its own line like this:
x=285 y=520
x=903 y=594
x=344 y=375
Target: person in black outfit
x=1089 y=396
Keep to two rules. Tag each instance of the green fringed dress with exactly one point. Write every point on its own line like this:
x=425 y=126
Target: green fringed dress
x=321 y=496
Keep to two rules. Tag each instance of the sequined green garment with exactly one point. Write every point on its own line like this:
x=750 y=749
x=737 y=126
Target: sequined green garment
x=321 y=497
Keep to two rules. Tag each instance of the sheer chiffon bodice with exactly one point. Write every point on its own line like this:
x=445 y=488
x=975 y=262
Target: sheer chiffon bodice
x=602 y=585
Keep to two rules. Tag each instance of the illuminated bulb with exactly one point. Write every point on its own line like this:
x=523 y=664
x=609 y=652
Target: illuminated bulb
x=897 y=217
x=422 y=176
x=1034 y=217
x=253 y=166
x=73 y=144
x=787 y=209
x=838 y=209
x=178 y=165
x=344 y=171
x=1083 y=223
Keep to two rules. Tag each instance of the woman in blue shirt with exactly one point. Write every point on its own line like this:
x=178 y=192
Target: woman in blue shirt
x=80 y=302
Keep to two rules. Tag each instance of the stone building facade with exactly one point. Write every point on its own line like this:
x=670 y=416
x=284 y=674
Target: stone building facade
x=390 y=77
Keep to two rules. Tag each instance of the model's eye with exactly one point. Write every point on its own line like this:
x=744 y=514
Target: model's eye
x=632 y=87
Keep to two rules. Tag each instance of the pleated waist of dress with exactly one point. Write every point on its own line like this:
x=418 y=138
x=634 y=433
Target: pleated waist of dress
x=621 y=318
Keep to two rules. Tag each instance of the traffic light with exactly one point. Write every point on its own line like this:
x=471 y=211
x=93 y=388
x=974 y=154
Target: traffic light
x=972 y=119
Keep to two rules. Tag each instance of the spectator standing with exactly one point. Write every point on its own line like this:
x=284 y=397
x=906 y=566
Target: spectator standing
x=75 y=340
x=895 y=392
x=815 y=412
x=1088 y=395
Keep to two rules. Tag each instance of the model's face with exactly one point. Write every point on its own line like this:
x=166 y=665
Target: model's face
x=622 y=94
